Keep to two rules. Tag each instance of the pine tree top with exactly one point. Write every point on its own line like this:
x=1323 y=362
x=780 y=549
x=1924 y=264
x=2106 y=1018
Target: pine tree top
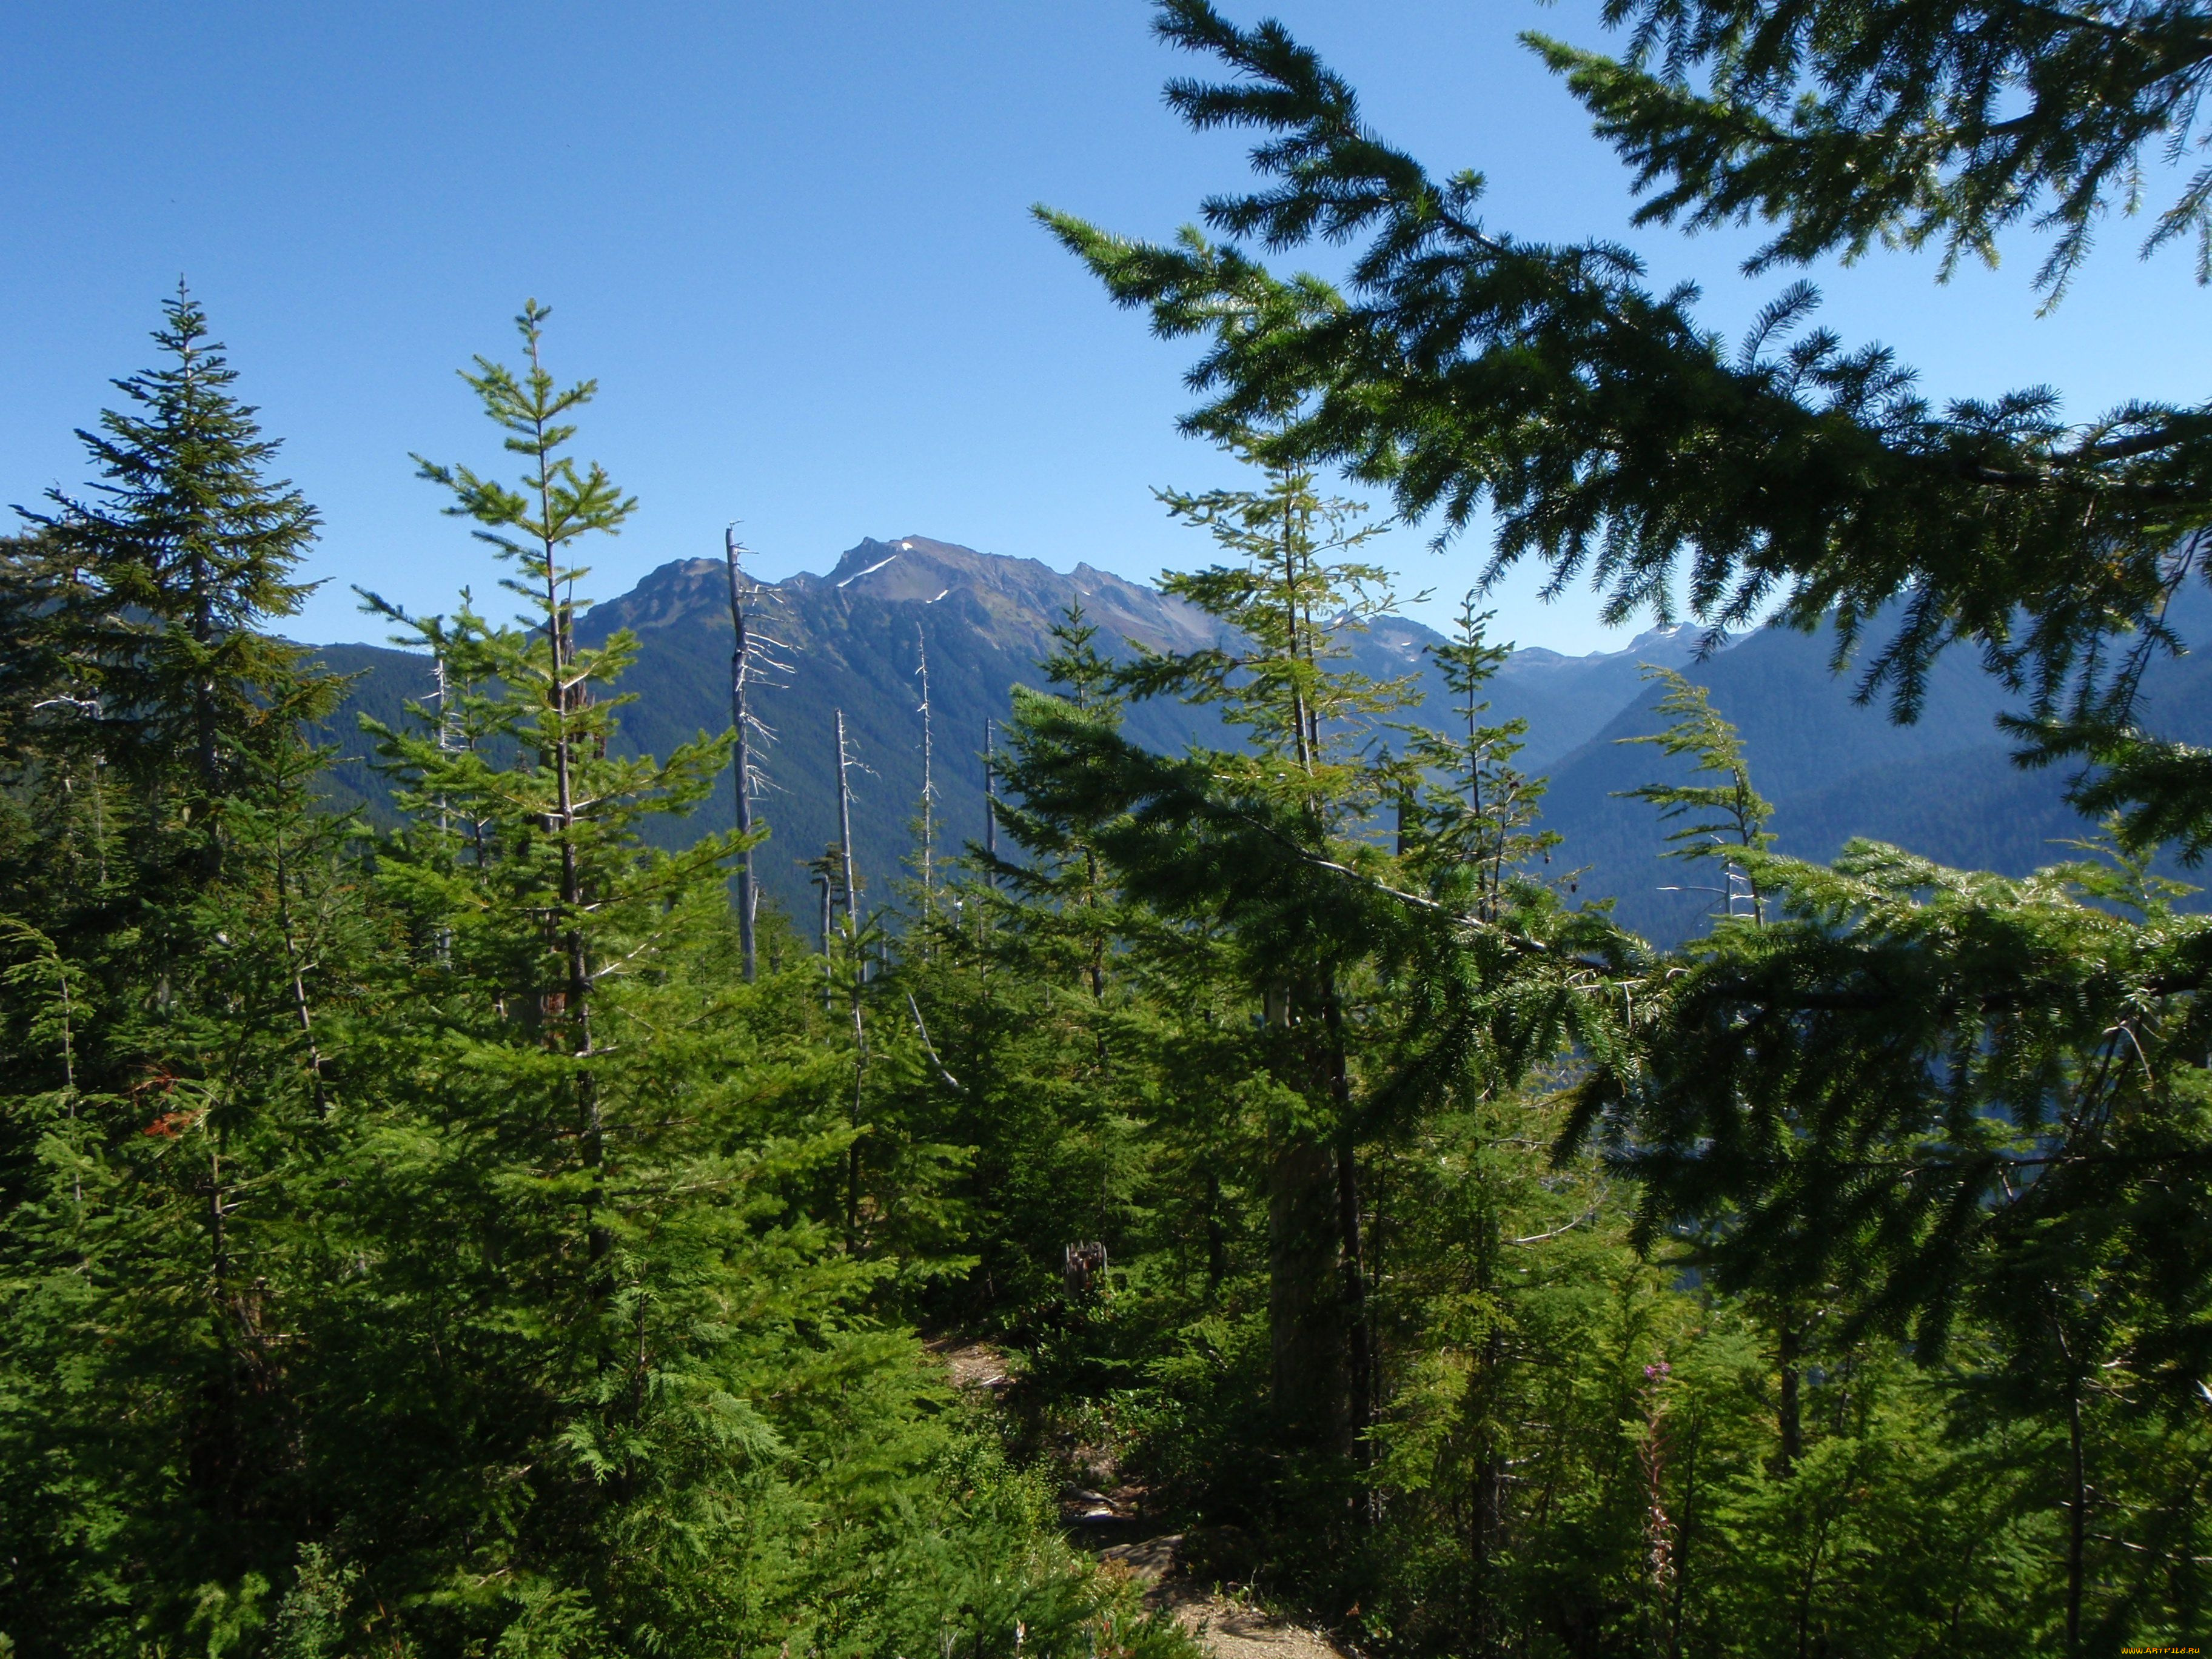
x=181 y=467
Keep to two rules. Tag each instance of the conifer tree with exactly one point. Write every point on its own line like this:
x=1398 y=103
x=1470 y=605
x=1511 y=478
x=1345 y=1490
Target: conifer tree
x=1248 y=840
x=1467 y=835
x=183 y=550
x=1028 y=994
x=165 y=1121
x=535 y=525
x=611 y=1331
x=1617 y=439
x=1482 y=818
x=1961 y=1099
x=1728 y=814
x=431 y=1249
x=1063 y=883
x=1832 y=1105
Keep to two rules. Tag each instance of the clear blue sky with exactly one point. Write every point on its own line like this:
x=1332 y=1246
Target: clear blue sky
x=792 y=243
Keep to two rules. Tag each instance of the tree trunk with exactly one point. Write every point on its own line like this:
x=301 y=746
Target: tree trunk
x=990 y=803
x=2077 y=1518
x=742 y=760
x=1304 y=1310
x=1790 y=1347
x=576 y=1001
x=928 y=787
x=1358 y=1355
x=845 y=837
x=203 y=720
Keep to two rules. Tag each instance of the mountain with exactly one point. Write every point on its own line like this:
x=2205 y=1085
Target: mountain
x=1943 y=786
x=850 y=642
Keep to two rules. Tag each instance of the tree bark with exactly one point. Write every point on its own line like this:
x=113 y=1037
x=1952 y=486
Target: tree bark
x=1304 y=1310
x=845 y=837
x=1790 y=1347
x=990 y=803
x=1358 y=1355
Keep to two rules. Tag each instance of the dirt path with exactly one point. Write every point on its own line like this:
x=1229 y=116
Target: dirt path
x=1109 y=1523
x=1223 y=1624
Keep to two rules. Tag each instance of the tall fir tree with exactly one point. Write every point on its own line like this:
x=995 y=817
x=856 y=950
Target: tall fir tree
x=1615 y=439
x=1248 y=841
x=204 y=948
x=185 y=549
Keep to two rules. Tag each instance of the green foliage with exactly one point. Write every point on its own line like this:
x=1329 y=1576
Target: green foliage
x=442 y=1243
x=191 y=949
x=1286 y=599
x=162 y=579
x=1730 y=813
x=1900 y=122
x=1615 y=438
x=1921 y=1144
x=1480 y=811
x=1913 y=1074
x=433 y=1246
x=1728 y=816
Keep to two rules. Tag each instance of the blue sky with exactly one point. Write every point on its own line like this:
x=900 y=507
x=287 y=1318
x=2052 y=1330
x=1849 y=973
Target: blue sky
x=792 y=243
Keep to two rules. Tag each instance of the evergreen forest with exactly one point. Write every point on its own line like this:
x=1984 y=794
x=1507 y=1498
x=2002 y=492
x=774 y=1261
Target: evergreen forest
x=493 y=1228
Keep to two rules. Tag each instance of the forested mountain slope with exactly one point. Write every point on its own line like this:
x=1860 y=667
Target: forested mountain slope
x=849 y=640
x=1944 y=785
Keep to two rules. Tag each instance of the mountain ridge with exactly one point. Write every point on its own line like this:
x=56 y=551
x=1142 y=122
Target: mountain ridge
x=848 y=639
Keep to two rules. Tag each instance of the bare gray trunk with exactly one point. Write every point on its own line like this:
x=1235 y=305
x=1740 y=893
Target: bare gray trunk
x=845 y=833
x=990 y=799
x=742 y=761
x=929 y=774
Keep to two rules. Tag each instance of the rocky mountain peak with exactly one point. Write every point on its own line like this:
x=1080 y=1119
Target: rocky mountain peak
x=1028 y=593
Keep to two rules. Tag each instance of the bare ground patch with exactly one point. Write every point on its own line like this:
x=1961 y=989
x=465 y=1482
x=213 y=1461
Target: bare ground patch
x=1107 y=1518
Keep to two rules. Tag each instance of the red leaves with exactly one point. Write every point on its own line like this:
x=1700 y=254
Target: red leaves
x=168 y=1125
